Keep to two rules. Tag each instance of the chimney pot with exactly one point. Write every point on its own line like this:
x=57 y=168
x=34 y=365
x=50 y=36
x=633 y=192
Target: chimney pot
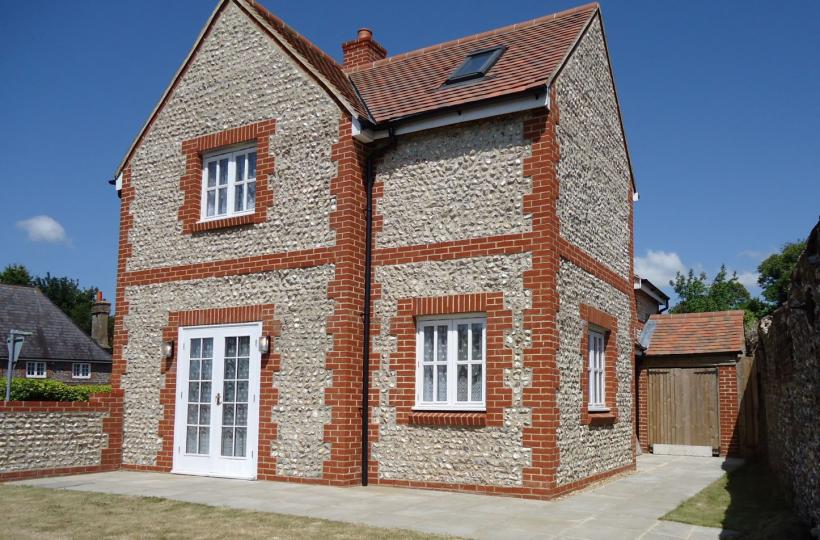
x=365 y=33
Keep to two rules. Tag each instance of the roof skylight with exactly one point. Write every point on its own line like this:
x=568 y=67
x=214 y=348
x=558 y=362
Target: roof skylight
x=476 y=65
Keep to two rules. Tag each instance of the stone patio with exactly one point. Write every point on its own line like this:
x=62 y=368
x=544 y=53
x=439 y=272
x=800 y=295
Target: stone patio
x=627 y=507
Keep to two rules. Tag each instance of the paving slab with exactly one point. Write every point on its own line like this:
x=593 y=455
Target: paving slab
x=627 y=507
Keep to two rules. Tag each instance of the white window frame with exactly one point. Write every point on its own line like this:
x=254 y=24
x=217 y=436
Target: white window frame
x=36 y=372
x=597 y=369
x=77 y=371
x=452 y=403
x=230 y=154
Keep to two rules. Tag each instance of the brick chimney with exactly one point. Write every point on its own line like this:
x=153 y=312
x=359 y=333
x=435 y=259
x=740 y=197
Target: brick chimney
x=362 y=50
x=99 y=320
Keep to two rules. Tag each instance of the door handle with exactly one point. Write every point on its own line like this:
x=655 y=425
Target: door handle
x=218 y=398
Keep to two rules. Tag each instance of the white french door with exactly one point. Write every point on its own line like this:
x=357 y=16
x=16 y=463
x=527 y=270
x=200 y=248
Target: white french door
x=216 y=428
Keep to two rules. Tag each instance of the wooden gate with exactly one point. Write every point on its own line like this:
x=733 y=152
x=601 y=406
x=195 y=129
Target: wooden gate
x=683 y=406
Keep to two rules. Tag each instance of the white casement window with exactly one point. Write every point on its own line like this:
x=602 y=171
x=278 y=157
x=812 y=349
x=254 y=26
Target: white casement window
x=451 y=363
x=229 y=183
x=597 y=341
x=81 y=370
x=35 y=370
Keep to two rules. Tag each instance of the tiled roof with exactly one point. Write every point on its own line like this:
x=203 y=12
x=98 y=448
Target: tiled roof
x=318 y=59
x=54 y=335
x=411 y=83
x=697 y=333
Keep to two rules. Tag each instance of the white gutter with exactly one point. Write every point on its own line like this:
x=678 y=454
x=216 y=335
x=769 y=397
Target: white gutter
x=467 y=114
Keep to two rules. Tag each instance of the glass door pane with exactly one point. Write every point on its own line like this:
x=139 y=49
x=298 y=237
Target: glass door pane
x=235 y=396
x=198 y=422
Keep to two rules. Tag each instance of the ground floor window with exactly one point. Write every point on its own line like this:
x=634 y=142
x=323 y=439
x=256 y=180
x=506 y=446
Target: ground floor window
x=451 y=363
x=597 y=394
x=81 y=370
x=36 y=370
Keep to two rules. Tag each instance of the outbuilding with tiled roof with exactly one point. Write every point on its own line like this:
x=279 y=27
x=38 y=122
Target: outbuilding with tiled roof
x=689 y=373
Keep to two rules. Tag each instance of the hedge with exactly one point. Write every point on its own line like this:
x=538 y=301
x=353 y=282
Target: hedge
x=50 y=390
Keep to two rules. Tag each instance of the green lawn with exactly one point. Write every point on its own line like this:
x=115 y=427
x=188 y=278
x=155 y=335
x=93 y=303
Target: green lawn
x=747 y=500
x=38 y=513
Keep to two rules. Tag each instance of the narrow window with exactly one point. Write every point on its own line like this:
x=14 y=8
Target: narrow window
x=451 y=360
x=476 y=65
x=596 y=371
x=81 y=370
x=35 y=370
x=229 y=183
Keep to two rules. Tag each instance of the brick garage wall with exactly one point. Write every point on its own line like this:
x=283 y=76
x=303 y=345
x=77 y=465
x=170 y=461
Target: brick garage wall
x=39 y=438
x=788 y=360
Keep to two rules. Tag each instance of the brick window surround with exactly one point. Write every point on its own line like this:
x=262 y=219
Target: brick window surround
x=268 y=395
x=609 y=324
x=191 y=182
x=498 y=357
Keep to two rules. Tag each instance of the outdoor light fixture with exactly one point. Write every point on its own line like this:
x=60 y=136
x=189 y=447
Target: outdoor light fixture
x=167 y=349
x=264 y=344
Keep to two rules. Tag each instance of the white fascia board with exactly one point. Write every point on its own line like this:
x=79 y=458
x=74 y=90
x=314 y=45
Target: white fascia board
x=118 y=183
x=467 y=114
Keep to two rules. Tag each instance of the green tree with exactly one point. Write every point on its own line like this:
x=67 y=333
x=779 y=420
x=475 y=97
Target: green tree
x=776 y=271
x=67 y=294
x=724 y=293
x=15 y=274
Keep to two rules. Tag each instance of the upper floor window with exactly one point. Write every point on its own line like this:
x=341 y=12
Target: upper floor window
x=229 y=183
x=597 y=395
x=451 y=363
x=36 y=370
x=81 y=370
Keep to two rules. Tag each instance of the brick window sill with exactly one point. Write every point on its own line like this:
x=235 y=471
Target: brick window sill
x=603 y=418
x=438 y=418
x=226 y=223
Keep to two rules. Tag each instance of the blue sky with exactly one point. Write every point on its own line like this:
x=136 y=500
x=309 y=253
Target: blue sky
x=720 y=104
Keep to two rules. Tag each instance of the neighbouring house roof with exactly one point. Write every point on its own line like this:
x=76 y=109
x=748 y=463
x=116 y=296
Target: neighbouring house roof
x=696 y=333
x=413 y=83
x=54 y=335
x=646 y=286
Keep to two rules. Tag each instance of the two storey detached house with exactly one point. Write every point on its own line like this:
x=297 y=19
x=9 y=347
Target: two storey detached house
x=412 y=270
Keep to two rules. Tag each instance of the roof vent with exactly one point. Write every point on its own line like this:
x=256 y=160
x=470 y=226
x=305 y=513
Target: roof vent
x=476 y=65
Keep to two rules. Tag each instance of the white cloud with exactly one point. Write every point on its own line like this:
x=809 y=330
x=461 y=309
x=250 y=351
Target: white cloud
x=43 y=229
x=749 y=279
x=659 y=267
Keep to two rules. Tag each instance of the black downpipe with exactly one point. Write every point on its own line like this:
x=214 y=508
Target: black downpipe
x=369 y=178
